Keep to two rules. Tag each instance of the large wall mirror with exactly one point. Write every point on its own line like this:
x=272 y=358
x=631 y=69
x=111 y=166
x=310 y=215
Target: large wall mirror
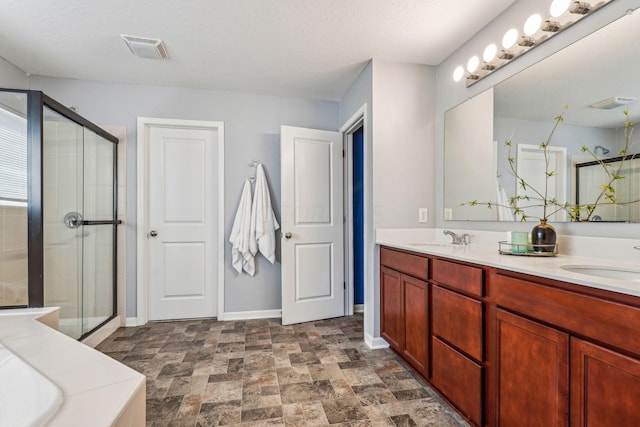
x=522 y=109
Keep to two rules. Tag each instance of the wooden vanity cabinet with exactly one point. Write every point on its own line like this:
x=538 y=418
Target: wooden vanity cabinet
x=562 y=354
x=510 y=349
x=404 y=301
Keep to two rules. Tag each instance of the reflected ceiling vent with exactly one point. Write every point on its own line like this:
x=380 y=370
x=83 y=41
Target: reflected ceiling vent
x=146 y=48
x=613 y=102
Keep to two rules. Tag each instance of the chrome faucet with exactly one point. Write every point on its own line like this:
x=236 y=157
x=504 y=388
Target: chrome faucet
x=457 y=239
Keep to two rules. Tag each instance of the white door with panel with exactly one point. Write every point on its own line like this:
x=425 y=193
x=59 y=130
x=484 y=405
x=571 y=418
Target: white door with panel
x=312 y=224
x=530 y=161
x=181 y=222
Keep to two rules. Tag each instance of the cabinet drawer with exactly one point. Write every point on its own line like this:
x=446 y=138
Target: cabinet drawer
x=458 y=378
x=613 y=323
x=413 y=265
x=463 y=277
x=457 y=319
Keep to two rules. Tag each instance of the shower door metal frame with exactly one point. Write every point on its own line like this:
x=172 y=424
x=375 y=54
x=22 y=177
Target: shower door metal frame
x=36 y=101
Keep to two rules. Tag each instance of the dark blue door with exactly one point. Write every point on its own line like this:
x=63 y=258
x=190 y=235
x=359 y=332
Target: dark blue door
x=358 y=216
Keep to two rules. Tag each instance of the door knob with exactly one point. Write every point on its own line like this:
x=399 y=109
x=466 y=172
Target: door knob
x=287 y=235
x=153 y=233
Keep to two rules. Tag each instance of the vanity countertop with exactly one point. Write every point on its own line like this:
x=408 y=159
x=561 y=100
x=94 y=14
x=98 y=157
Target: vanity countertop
x=96 y=390
x=487 y=254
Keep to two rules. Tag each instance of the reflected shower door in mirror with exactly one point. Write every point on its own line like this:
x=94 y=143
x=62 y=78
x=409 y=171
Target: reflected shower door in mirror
x=13 y=200
x=600 y=67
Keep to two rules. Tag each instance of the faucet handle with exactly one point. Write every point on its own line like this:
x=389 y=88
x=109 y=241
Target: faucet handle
x=466 y=238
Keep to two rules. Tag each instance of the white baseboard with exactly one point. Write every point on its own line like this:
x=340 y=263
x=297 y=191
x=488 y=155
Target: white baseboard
x=131 y=321
x=375 y=343
x=358 y=308
x=248 y=315
x=101 y=334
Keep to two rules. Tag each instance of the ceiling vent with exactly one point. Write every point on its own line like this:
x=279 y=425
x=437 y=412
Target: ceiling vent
x=613 y=102
x=146 y=48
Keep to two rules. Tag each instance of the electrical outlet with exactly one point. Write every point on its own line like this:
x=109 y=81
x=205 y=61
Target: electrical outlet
x=448 y=214
x=422 y=215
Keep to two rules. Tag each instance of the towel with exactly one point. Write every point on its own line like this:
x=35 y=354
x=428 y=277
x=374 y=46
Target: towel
x=241 y=238
x=504 y=211
x=263 y=220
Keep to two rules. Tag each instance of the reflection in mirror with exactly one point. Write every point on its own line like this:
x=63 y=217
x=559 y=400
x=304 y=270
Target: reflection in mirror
x=13 y=199
x=601 y=66
x=589 y=179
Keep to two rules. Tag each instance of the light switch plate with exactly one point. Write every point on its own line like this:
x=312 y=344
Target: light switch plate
x=423 y=215
x=448 y=214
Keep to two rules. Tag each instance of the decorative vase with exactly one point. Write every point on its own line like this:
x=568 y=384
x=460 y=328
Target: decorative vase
x=543 y=234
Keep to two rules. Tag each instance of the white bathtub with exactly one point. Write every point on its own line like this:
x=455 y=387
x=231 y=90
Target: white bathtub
x=27 y=398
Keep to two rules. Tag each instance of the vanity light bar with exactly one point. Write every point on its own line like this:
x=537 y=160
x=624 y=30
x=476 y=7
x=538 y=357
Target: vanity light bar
x=564 y=13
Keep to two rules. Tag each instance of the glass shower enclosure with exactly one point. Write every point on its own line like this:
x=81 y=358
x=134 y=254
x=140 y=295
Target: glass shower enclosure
x=70 y=206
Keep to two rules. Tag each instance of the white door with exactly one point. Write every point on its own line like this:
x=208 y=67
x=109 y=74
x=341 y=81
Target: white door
x=181 y=232
x=531 y=168
x=312 y=225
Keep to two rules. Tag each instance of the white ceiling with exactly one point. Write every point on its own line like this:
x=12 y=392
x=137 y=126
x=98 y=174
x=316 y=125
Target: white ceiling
x=300 y=48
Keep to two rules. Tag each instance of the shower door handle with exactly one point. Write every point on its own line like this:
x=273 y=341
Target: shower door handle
x=153 y=233
x=73 y=219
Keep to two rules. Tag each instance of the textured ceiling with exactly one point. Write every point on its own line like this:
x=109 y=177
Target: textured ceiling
x=301 y=48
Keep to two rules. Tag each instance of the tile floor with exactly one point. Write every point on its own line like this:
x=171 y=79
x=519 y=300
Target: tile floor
x=260 y=373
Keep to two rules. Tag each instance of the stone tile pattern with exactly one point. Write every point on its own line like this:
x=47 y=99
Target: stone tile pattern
x=260 y=373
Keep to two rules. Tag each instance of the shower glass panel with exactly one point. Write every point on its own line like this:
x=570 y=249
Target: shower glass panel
x=98 y=261
x=63 y=201
x=13 y=200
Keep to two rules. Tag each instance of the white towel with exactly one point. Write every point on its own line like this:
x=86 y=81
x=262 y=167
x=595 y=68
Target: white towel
x=504 y=211
x=241 y=238
x=263 y=220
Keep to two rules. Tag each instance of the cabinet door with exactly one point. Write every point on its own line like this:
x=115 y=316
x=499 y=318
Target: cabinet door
x=392 y=305
x=532 y=369
x=416 y=323
x=605 y=386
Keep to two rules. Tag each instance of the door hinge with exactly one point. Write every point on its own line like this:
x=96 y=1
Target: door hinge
x=343 y=154
x=344 y=285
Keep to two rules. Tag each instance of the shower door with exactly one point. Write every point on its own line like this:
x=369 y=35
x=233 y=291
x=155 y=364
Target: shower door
x=79 y=223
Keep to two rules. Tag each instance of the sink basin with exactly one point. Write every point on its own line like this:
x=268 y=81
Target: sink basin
x=604 y=271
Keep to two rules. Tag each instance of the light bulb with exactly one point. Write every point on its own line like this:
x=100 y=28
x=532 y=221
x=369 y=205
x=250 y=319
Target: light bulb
x=532 y=24
x=490 y=53
x=510 y=38
x=458 y=73
x=559 y=7
x=473 y=63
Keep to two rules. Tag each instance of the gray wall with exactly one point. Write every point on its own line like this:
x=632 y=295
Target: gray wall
x=252 y=131
x=12 y=77
x=403 y=143
x=359 y=94
x=399 y=156
x=450 y=94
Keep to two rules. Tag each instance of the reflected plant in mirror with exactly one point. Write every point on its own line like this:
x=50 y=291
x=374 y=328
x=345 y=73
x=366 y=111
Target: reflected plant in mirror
x=536 y=197
x=612 y=170
x=597 y=77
